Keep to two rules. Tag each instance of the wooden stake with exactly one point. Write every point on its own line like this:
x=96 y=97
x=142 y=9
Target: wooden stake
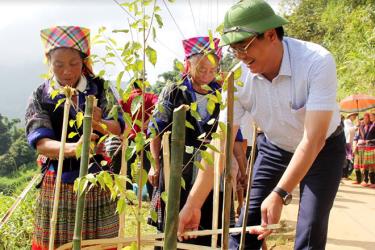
x=85 y=155
x=153 y=237
x=177 y=153
x=249 y=183
x=166 y=158
x=68 y=95
x=228 y=163
x=216 y=194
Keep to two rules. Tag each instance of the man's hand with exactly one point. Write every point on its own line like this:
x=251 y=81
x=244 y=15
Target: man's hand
x=271 y=211
x=189 y=219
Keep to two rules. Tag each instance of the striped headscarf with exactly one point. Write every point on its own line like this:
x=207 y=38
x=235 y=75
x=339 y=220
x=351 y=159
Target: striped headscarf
x=74 y=37
x=201 y=45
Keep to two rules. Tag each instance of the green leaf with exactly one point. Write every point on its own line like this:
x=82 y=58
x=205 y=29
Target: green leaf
x=114 y=112
x=151 y=55
x=78 y=151
x=130 y=195
x=212 y=121
x=199 y=165
x=159 y=20
x=188 y=125
x=54 y=93
x=79 y=118
x=201 y=136
x=133 y=246
x=164 y=197
x=189 y=149
x=121 y=205
x=101 y=73
x=59 y=102
x=207 y=157
x=210 y=107
x=71 y=123
x=222 y=126
x=179 y=65
x=183 y=185
x=237 y=73
x=72 y=134
x=239 y=83
x=118 y=79
x=212 y=147
x=121 y=31
x=194 y=106
x=212 y=59
x=153 y=215
x=102 y=139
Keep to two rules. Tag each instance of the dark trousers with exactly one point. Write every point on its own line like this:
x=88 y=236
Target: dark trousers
x=317 y=191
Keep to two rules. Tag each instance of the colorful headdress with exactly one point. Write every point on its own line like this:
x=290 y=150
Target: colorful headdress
x=201 y=45
x=74 y=37
x=66 y=37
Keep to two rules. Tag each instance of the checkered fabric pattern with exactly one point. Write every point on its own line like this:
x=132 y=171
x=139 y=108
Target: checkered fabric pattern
x=66 y=36
x=198 y=45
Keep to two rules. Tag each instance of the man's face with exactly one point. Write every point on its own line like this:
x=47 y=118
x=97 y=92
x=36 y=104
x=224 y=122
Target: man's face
x=255 y=52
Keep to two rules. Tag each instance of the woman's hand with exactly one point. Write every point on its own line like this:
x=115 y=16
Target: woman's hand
x=153 y=176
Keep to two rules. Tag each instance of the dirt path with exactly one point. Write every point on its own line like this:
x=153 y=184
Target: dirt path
x=352 y=219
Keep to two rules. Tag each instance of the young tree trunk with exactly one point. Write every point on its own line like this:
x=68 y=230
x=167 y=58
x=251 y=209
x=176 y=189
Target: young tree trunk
x=85 y=154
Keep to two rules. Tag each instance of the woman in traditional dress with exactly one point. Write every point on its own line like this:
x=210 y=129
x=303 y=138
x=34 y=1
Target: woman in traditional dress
x=67 y=50
x=364 y=158
x=201 y=66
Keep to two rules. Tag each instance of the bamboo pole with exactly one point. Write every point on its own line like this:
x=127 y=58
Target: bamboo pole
x=228 y=163
x=166 y=158
x=123 y=172
x=216 y=194
x=249 y=183
x=152 y=237
x=85 y=154
x=68 y=95
x=19 y=199
x=177 y=154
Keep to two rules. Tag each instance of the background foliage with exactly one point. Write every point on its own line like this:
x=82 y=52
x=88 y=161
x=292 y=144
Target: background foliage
x=347 y=29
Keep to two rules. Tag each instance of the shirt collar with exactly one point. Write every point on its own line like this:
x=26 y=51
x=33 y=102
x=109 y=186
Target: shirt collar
x=285 y=63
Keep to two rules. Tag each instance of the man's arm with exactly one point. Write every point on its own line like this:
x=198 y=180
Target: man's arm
x=313 y=140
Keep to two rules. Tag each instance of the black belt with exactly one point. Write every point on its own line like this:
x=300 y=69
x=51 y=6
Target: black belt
x=337 y=132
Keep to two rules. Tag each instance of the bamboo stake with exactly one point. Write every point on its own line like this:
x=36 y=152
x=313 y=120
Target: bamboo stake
x=177 y=153
x=68 y=95
x=85 y=154
x=249 y=183
x=166 y=158
x=228 y=163
x=19 y=199
x=123 y=172
x=216 y=195
x=151 y=237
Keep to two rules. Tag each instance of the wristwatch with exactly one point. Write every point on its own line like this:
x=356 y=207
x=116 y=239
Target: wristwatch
x=285 y=196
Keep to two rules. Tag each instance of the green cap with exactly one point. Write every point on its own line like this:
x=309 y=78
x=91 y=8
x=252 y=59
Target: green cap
x=248 y=18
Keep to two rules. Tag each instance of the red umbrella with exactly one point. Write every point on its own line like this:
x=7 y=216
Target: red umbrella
x=356 y=103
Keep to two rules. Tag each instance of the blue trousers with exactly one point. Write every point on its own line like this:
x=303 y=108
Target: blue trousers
x=317 y=191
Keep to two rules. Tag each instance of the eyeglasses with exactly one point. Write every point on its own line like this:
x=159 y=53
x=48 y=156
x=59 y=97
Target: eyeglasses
x=241 y=50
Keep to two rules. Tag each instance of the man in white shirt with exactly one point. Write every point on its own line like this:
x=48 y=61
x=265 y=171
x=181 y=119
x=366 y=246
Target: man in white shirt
x=290 y=91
